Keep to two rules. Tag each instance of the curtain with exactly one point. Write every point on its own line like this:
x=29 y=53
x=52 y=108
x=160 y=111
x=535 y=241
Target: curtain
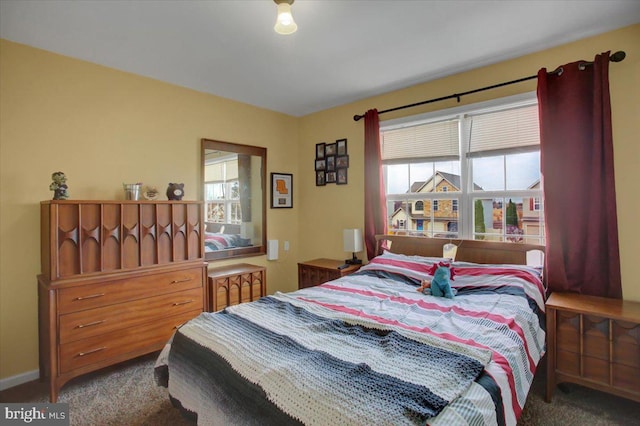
x=576 y=146
x=375 y=203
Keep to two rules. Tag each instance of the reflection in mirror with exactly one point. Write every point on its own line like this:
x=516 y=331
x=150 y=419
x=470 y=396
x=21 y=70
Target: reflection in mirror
x=234 y=194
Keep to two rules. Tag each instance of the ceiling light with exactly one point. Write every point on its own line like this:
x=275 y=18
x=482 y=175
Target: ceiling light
x=285 y=23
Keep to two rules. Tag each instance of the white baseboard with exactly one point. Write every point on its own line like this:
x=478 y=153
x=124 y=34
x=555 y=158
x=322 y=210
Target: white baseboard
x=19 y=379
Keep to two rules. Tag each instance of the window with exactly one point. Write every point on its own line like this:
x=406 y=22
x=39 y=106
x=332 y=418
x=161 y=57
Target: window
x=468 y=172
x=222 y=191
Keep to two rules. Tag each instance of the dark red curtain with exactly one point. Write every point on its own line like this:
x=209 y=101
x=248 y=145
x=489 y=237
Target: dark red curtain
x=375 y=203
x=576 y=146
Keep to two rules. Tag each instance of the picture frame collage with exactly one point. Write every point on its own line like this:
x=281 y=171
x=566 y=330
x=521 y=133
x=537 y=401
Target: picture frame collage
x=331 y=163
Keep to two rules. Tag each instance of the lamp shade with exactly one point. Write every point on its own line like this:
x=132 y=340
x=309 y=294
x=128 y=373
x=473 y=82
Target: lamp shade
x=284 y=22
x=353 y=240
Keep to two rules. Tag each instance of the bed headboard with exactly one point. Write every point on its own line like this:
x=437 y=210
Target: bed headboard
x=476 y=251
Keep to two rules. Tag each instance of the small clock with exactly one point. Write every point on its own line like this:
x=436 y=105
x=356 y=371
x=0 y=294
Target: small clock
x=175 y=191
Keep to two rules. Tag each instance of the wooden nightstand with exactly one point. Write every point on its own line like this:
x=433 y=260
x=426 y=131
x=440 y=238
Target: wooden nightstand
x=594 y=342
x=234 y=284
x=318 y=271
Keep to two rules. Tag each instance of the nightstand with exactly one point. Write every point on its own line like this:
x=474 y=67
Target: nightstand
x=318 y=271
x=594 y=342
x=234 y=284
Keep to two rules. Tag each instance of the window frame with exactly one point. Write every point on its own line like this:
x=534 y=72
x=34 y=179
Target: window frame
x=468 y=193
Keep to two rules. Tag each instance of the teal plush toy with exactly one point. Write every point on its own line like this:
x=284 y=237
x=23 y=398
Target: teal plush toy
x=440 y=285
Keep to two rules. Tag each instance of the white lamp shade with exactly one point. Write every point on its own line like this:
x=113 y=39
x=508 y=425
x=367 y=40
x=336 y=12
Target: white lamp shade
x=353 y=240
x=284 y=22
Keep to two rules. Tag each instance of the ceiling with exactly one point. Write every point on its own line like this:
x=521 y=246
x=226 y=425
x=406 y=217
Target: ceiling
x=343 y=50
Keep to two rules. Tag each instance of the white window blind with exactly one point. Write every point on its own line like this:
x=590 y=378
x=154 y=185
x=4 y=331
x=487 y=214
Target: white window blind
x=504 y=131
x=421 y=142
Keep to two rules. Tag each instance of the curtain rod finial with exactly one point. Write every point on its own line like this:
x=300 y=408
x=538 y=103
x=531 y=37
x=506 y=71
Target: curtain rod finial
x=618 y=56
x=357 y=117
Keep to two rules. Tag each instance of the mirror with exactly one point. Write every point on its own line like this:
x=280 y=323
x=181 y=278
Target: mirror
x=234 y=194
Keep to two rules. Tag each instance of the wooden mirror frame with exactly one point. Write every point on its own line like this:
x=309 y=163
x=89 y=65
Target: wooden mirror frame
x=255 y=250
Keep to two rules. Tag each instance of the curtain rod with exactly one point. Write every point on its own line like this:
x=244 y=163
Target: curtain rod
x=616 y=57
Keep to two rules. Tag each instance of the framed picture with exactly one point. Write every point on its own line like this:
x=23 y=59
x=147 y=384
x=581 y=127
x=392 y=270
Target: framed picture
x=330 y=177
x=320 y=178
x=331 y=163
x=341 y=147
x=341 y=177
x=321 y=165
x=320 y=150
x=342 y=161
x=281 y=190
x=330 y=149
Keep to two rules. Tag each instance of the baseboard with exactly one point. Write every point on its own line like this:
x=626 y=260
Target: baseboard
x=19 y=379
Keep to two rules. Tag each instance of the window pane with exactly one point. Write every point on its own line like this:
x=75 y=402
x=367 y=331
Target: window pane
x=419 y=175
x=215 y=212
x=488 y=173
x=532 y=220
x=396 y=178
x=445 y=218
x=487 y=218
x=523 y=170
x=513 y=220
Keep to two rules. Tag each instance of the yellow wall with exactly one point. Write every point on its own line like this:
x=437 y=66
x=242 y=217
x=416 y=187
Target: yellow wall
x=103 y=127
x=327 y=210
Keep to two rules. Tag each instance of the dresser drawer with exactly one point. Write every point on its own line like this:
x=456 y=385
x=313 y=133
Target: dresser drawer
x=93 y=296
x=626 y=378
x=142 y=338
x=93 y=322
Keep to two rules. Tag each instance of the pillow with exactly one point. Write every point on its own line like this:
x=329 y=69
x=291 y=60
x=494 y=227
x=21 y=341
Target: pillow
x=414 y=258
x=535 y=270
x=409 y=268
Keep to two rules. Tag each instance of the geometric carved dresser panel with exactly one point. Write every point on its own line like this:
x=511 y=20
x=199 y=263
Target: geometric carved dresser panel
x=118 y=277
x=595 y=342
x=233 y=284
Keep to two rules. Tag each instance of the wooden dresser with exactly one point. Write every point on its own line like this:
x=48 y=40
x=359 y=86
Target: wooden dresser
x=234 y=284
x=117 y=278
x=318 y=271
x=594 y=342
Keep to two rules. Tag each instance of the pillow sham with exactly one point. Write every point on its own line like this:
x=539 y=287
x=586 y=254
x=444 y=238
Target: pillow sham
x=411 y=269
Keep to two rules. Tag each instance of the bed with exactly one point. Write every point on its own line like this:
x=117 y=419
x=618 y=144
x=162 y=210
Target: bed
x=368 y=348
x=214 y=241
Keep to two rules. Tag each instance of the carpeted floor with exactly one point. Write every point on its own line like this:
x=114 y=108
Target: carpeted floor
x=127 y=395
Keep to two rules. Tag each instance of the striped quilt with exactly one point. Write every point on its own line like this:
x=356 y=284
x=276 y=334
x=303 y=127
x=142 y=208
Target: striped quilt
x=367 y=349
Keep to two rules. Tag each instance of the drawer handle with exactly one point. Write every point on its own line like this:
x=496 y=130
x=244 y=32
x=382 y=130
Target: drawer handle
x=182 y=303
x=91 y=296
x=90 y=324
x=181 y=281
x=92 y=351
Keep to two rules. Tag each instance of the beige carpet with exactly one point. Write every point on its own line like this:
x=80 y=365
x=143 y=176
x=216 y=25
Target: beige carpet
x=127 y=395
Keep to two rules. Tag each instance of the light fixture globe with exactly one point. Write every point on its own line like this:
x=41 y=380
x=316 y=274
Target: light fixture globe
x=284 y=22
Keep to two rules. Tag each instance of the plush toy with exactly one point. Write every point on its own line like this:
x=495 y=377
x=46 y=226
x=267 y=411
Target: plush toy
x=439 y=286
x=175 y=191
x=59 y=186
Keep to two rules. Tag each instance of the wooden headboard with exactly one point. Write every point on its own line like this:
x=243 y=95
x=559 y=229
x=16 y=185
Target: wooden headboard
x=476 y=251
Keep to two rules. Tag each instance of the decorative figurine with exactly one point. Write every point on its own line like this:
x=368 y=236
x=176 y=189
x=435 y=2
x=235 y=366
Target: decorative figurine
x=59 y=186
x=151 y=193
x=175 y=191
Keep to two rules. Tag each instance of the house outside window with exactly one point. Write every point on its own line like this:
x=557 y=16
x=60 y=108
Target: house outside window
x=474 y=171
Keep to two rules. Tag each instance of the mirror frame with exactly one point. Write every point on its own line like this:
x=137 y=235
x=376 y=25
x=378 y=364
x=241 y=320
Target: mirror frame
x=247 y=150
